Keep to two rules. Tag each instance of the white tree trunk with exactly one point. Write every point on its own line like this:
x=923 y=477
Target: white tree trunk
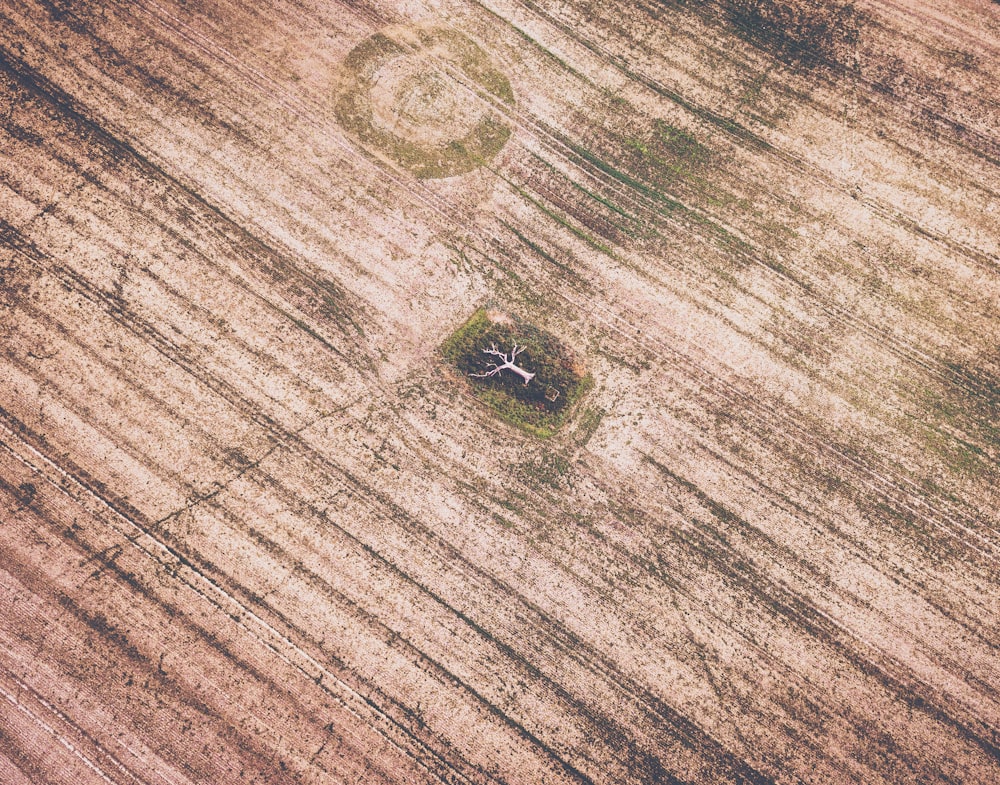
x=508 y=364
x=520 y=372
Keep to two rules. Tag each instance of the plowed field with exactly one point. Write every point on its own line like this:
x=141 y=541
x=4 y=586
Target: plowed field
x=256 y=527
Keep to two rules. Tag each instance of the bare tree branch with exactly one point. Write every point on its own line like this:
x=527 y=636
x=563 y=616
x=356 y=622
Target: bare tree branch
x=508 y=364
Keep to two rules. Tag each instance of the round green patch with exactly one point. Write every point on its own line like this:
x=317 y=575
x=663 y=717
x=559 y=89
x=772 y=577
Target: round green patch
x=539 y=404
x=402 y=92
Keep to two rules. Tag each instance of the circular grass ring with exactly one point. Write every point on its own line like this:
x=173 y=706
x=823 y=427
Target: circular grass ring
x=396 y=95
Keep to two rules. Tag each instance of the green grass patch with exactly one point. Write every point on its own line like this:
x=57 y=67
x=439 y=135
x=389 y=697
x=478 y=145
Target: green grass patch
x=588 y=423
x=359 y=76
x=669 y=158
x=631 y=182
x=539 y=406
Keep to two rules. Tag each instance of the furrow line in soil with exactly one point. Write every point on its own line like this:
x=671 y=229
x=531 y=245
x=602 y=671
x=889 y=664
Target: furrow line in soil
x=180 y=622
x=811 y=171
x=904 y=349
x=132 y=522
x=808 y=617
x=288 y=277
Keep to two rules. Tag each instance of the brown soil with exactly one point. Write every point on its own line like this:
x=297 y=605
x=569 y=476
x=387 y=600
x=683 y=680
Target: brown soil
x=254 y=530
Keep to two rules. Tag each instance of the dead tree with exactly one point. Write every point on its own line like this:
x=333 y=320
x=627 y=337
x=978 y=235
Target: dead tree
x=508 y=364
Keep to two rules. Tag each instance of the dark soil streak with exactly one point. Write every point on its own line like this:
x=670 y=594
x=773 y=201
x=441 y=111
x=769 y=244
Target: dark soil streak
x=262 y=257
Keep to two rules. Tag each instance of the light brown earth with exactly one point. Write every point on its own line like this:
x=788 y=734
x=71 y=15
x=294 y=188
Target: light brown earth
x=253 y=530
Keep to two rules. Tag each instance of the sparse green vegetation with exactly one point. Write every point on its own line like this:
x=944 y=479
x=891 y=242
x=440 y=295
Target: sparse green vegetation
x=588 y=422
x=608 y=169
x=668 y=157
x=539 y=407
x=428 y=157
x=550 y=469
